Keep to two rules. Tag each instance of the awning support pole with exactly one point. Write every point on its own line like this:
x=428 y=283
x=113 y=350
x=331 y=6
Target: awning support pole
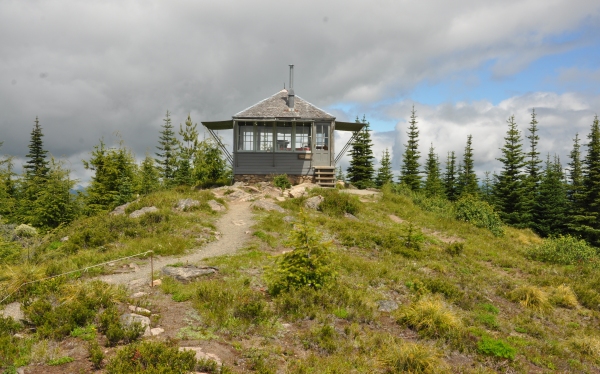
x=343 y=152
x=221 y=145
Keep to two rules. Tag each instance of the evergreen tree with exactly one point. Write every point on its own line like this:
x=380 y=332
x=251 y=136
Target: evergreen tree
x=114 y=170
x=339 y=174
x=532 y=172
x=149 y=176
x=7 y=187
x=589 y=224
x=487 y=188
x=384 y=173
x=467 y=179
x=37 y=165
x=575 y=192
x=360 y=173
x=409 y=172
x=433 y=181
x=450 y=180
x=550 y=205
x=210 y=168
x=167 y=157
x=508 y=189
x=188 y=147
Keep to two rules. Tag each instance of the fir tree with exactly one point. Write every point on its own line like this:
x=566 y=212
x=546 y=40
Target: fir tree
x=508 y=189
x=487 y=187
x=467 y=179
x=210 y=168
x=550 y=205
x=7 y=187
x=167 y=157
x=339 y=174
x=37 y=165
x=433 y=181
x=450 y=181
x=384 y=173
x=149 y=176
x=532 y=172
x=589 y=224
x=360 y=173
x=188 y=147
x=409 y=172
x=575 y=191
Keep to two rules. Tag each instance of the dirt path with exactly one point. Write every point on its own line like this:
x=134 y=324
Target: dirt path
x=232 y=225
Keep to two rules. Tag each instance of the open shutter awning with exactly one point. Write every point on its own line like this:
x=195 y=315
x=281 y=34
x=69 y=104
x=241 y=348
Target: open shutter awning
x=349 y=126
x=219 y=125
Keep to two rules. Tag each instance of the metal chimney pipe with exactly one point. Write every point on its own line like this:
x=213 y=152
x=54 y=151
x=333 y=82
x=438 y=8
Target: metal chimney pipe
x=291 y=95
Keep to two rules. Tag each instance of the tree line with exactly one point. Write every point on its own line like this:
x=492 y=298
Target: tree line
x=528 y=192
x=43 y=196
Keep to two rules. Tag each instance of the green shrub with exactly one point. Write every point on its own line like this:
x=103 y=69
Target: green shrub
x=25 y=231
x=60 y=361
x=96 y=354
x=282 y=181
x=151 y=357
x=307 y=265
x=455 y=249
x=336 y=204
x=481 y=214
x=9 y=326
x=565 y=250
x=496 y=348
x=110 y=325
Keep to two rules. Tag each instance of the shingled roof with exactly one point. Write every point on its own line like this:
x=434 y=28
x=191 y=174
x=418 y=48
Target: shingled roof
x=276 y=107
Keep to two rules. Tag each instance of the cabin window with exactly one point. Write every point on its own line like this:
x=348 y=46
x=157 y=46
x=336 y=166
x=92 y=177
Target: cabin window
x=246 y=137
x=284 y=136
x=302 y=138
x=264 y=137
x=322 y=138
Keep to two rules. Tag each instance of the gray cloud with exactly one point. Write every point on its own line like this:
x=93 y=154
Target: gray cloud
x=89 y=69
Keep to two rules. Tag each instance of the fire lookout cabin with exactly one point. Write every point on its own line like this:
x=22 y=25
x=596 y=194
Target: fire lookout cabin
x=284 y=134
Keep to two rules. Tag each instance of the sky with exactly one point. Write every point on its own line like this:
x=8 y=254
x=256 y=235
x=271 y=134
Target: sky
x=110 y=69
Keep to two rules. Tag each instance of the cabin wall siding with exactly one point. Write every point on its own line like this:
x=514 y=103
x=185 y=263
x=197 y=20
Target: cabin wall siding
x=262 y=163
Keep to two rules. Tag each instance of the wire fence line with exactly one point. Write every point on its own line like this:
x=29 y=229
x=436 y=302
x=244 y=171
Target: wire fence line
x=74 y=271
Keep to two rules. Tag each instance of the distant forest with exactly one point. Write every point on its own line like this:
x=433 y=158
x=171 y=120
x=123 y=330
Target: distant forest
x=530 y=191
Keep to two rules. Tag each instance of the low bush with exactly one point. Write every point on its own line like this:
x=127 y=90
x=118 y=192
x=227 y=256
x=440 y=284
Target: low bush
x=431 y=317
x=281 y=181
x=455 y=249
x=564 y=250
x=115 y=331
x=151 y=357
x=337 y=203
x=481 y=214
x=497 y=348
x=96 y=354
x=531 y=297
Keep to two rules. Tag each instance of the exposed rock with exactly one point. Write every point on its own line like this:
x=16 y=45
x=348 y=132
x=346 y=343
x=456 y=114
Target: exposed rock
x=201 y=355
x=187 y=273
x=139 y=309
x=129 y=319
x=156 y=282
x=120 y=210
x=140 y=212
x=134 y=267
x=289 y=219
x=238 y=184
x=137 y=295
x=64 y=239
x=280 y=198
x=156 y=331
x=267 y=205
x=387 y=305
x=216 y=206
x=314 y=202
x=300 y=189
x=350 y=216
x=251 y=189
x=185 y=204
x=238 y=195
x=396 y=218
x=13 y=310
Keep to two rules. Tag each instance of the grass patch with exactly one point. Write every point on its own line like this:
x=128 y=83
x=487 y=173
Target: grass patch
x=431 y=317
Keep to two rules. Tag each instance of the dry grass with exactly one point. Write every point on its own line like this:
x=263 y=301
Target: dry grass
x=431 y=317
x=532 y=298
x=564 y=296
x=587 y=345
x=414 y=358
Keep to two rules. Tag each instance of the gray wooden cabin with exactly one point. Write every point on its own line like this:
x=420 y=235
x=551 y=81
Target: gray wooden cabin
x=283 y=134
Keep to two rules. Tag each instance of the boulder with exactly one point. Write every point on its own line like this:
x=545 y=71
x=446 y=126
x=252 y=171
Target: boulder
x=238 y=195
x=185 y=204
x=267 y=205
x=156 y=331
x=314 y=202
x=300 y=189
x=140 y=212
x=129 y=319
x=201 y=355
x=350 y=216
x=187 y=273
x=120 y=210
x=387 y=305
x=216 y=206
x=289 y=219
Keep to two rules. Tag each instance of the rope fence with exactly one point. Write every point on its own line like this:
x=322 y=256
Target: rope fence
x=84 y=270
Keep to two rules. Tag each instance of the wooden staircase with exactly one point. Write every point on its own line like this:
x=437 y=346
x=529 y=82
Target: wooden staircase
x=325 y=176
